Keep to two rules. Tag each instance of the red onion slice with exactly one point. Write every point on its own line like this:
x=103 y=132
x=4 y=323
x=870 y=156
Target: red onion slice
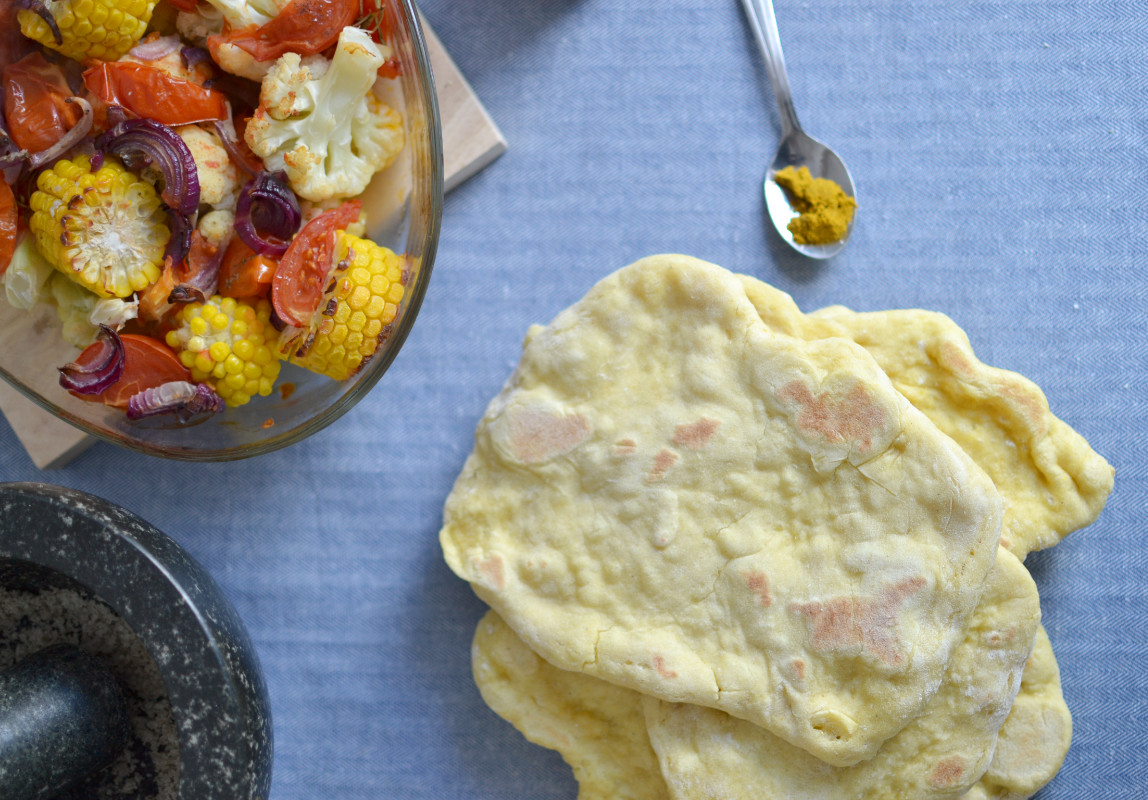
x=100 y=369
x=267 y=214
x=186 y=400
x=146 y=143
x=179 y=245
x=74 y=136
x=225 y=129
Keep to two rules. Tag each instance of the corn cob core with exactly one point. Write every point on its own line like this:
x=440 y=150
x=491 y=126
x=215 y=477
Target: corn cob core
x=361 y=301
x=224 y=344
x=105 y=229
x=90 y=29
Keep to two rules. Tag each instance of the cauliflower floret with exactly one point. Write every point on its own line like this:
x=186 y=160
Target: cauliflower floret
x=328 y=131
x=238 y=61
x=242 y=13
x=216 y=226
x=218 y=177
x=238 y=14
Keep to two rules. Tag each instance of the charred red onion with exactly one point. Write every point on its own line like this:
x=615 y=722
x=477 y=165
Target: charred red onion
x=179 y=245
x=102 y=369
x=186 y=400
x=141 y=143
x=41 y=10
x=243 y=92
x=74 y=136
x=267 y=213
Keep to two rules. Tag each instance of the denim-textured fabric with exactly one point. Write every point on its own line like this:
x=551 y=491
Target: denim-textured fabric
x=998 y=149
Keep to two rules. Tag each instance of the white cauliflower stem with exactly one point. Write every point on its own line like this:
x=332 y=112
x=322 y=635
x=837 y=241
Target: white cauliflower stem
x=325 y=127
x=242 y=13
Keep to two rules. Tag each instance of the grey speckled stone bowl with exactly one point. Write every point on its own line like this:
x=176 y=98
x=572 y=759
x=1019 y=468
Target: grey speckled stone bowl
x=51 y=537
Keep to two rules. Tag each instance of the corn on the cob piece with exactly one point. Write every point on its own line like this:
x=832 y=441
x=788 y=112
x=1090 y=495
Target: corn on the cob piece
x=90 y=29
x=224 y=342
x=354 y=317
x=105 y=229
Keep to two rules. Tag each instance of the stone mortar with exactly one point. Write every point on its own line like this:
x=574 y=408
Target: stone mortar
x=203 y=652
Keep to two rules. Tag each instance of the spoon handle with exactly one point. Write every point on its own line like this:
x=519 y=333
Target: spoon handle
x=764 y=24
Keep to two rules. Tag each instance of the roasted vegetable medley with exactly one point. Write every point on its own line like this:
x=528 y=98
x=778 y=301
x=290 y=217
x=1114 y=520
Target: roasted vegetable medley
x=182 y=181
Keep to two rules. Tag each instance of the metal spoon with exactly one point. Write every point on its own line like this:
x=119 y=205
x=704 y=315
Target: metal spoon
x=797 y=149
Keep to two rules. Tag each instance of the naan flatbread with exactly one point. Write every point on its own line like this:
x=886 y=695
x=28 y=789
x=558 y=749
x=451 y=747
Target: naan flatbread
x=1051 y=481
x=599 y=730
x=1034 y=740
x=671 y=497
x=596 y=726
x=705 y=753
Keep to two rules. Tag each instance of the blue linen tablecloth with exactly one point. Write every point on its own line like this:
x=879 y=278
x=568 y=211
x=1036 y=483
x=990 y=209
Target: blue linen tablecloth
x=998 y=149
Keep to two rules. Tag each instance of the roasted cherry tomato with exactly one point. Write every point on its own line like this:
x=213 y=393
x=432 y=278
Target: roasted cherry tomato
x=147 y=364
x=244 y=273
x=154 y=93
x=9 y=225
x=35 y=103
x=305 y=27
x=298 y=286
x=184 y=5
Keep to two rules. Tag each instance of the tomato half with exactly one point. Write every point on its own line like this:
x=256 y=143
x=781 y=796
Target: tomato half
x=305 y=27
x=35 y=103
x=154 y=93
x=9 y=225
x=297 y=287
x=147 y=364
x=244 y=273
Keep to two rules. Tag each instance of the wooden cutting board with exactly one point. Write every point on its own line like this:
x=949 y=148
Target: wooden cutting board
x=470 y=141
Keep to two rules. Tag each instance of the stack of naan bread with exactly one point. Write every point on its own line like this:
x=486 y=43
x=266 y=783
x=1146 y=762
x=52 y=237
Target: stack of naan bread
x=737 y=551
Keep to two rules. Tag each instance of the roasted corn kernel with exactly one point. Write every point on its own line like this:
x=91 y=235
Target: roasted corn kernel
x=104 y=229
x=224 y=342
x=89 y=29
x=355 y=315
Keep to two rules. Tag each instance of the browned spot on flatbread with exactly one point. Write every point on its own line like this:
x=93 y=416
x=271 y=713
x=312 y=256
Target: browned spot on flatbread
x=625 y=447
x=758 y=583
x=536 y=436
x=948 y=772
x=798 y=668
x=1025 y=399
x=844 y=623
x=954 y=359
x=493 y=570
x=853 y=417
x=696 y=435
x=662 y=462
x=660 y=667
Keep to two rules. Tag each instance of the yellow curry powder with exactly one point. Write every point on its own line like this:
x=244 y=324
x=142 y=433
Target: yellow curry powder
x=824 y=207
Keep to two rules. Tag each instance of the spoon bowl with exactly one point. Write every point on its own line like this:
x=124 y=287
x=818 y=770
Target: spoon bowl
x=796 y=150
